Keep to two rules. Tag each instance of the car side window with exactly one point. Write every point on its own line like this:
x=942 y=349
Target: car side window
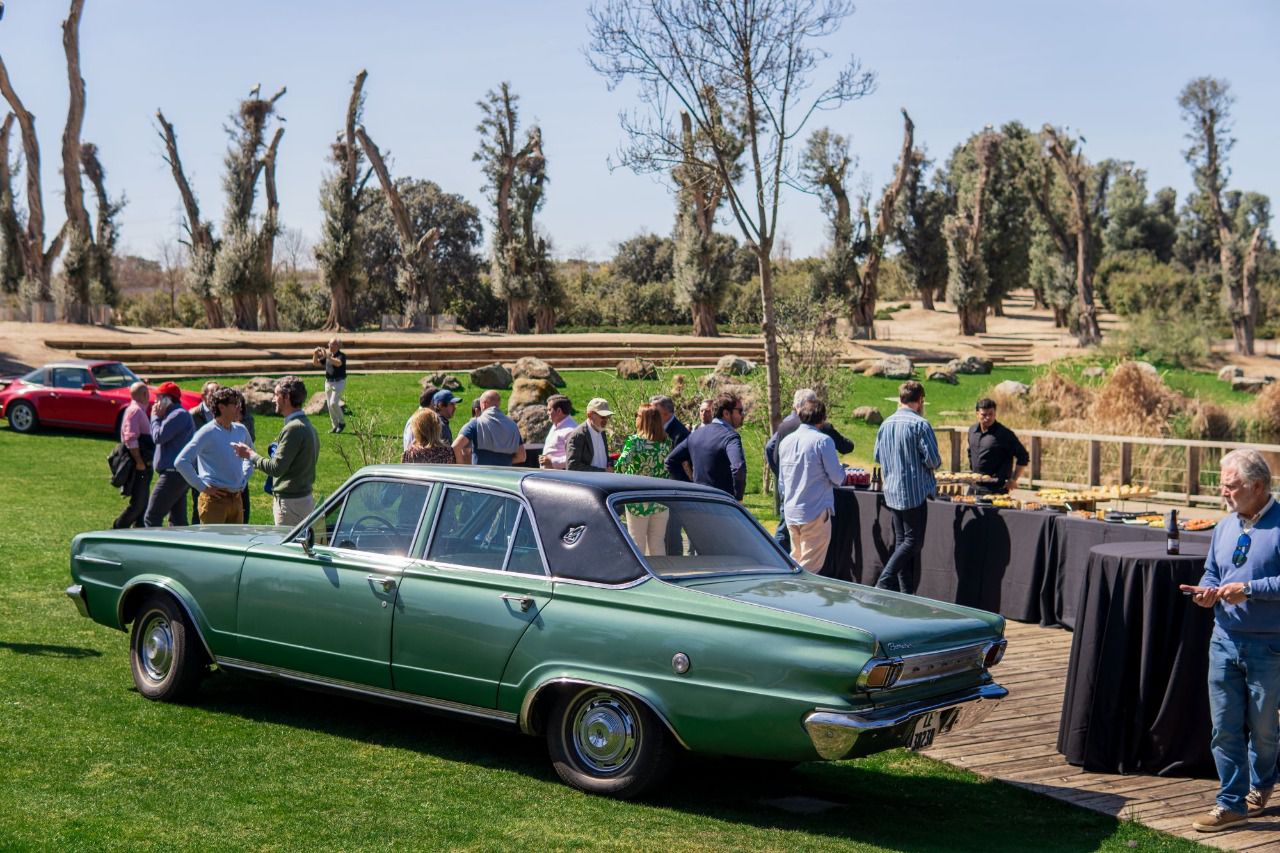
x=474 y=529
x=524 y=553
x=70 y=377
x=377 y=516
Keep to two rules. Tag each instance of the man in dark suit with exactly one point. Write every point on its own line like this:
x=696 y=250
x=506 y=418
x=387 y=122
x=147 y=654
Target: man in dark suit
x=715 y=451
x=676 y=431
x=587 y=447
x=788 y=425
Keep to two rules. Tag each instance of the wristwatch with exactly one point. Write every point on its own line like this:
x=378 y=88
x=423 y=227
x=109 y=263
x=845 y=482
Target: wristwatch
x=1248 y=590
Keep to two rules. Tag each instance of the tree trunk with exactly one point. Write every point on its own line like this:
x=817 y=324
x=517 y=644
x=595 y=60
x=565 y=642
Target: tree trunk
x=1037 y=301
x=1060 y=320
x=863 y=320
x=926 y=298
x=770 y=329
x=246 y=311
x=704 y=320
x=544 y=318
x=270 y=313
x=997 y=307
x=869 y=292
x=1087 y=331
x=973 y=319
x=340 y=318
x=77 y=275
x=517 y=316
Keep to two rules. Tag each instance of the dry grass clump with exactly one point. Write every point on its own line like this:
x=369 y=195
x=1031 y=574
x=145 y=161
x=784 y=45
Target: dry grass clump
x=1210 y=422
x=1057 y=402
x=1134 y=401
x=1266 y=409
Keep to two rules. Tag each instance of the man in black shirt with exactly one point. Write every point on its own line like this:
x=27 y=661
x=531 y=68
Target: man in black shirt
x=334 y=362
x=994 y=450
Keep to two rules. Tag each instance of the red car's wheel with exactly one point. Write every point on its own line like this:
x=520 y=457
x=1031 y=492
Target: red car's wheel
x=22 y=416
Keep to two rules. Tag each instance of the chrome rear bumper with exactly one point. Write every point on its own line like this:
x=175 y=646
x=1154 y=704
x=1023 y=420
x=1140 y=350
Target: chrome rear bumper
x=75 y=592
x=842 y=734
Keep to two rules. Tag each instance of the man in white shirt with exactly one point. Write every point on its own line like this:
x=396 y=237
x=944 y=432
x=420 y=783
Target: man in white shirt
x=555 y=445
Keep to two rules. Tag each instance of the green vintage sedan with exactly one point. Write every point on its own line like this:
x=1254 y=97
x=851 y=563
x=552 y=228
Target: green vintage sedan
x=518 y=597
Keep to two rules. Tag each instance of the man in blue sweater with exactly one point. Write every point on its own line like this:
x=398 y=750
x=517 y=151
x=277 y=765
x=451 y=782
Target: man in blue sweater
x=171 y=429
x=1241 y=583
x=210 y=464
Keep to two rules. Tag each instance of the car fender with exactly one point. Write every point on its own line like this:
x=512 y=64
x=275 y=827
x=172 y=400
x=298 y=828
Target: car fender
x=537 y=700
x=137 y=587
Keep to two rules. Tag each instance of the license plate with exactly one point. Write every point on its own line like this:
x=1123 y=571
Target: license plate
x=923 y=732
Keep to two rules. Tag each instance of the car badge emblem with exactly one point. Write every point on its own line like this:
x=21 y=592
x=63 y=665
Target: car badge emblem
x=572 y=535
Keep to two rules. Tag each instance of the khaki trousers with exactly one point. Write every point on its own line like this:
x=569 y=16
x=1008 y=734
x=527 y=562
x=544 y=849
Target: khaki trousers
x=649 y=532
x=228 y=510
x=290 y=511
x=809 y=542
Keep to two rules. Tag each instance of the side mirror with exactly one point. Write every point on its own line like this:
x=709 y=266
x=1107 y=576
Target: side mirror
x=309 y=541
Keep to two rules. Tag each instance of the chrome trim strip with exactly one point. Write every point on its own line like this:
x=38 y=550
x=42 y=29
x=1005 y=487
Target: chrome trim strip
x=976 y=651
x=75 y=592
x=835 y=734
x=382 y=693
x=527 y=705
x=100 y=561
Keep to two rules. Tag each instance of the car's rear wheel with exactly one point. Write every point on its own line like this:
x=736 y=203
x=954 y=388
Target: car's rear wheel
x=604 y=742
x=22 y=416
x=165 y=653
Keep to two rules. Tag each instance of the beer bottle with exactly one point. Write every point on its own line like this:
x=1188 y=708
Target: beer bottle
x=1171 y=531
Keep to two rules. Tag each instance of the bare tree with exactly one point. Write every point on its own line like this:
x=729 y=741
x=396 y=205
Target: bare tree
x=1077 y=174
x=200 y=240
x=169 y=255
x=1206 y=107
x=270 y=228
x=338 y=253
x=414 y=276
x=754 y=59
x=966 y=271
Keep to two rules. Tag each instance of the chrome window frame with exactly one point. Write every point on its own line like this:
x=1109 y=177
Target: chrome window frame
x=657 y=494
x=523 y=509
x=293 y=536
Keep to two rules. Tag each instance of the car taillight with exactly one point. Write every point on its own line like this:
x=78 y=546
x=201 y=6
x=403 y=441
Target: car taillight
x=995 y=653
x=882 y=675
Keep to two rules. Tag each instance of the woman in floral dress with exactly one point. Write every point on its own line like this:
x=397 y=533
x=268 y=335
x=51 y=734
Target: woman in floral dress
x=645 y=453
x=427 y=445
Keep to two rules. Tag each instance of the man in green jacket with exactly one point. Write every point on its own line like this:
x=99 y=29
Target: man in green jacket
x=293 y=464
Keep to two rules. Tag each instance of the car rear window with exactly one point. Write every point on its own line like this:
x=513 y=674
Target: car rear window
x=687 y=537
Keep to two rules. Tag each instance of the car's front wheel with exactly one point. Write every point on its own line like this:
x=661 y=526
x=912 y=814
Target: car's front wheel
x=604 y=742
x=165 y=653
x=22 y=416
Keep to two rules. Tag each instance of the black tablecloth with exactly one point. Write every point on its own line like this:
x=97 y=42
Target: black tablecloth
x=1026 y=566
x=1136 y=698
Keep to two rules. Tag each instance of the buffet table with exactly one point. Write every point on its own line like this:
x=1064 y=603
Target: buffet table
x=1027 y=566
x=1135 y=696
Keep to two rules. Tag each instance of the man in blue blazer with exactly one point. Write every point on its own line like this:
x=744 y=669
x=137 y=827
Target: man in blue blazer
x=715 y=451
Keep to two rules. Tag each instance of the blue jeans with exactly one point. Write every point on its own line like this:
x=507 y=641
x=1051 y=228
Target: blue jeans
x=908 y=538
x=1244 y=691
x=781 y=535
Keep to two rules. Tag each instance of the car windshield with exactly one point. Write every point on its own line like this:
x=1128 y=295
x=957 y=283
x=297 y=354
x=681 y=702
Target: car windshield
x=114 y=375
x=686 y=537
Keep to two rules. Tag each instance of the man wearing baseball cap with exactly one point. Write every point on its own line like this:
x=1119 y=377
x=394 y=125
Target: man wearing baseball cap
x=171 y=429
x=587 y=448
x=445 y=402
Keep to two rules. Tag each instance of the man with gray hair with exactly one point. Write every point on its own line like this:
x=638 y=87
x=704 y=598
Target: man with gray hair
x=676 y=431
x=1241 y=582
x=292 y=465
x=135 y=435
x=491 y=438
x=788 y=425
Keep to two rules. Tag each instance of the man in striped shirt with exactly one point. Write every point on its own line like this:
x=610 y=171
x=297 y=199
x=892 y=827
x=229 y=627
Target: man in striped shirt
x=908 y=452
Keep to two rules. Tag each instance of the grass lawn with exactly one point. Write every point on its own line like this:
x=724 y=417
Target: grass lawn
x=87 y=764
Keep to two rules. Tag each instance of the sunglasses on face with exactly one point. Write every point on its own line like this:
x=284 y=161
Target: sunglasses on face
x=1241 y=553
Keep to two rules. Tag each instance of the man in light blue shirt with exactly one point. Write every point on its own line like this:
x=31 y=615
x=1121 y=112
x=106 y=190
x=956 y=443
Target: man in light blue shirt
x=210 y=464
x=908 y=453
x=808 y=468
x=1241 y=582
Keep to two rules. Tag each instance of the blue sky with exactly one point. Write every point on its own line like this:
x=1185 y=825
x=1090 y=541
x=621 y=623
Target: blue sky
x=1109 y=70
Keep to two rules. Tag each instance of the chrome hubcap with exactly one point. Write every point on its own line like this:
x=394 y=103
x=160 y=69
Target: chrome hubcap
x=21 y=418
x=605 y=733
x=156 y=652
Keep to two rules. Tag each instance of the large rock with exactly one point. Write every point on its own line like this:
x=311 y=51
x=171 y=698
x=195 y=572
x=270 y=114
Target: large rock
x=316 y=405
x=1251 y=384
x=733 y=365
x=892 y=367
x=529 y=392
x=971 y=365
x=260 y=395
x=491 y=376
x=531 y=367
x=1148 y=368
x=1230 y=373
x=940 y=374
x=637 y=368
x=868 y=415
x=1011 y=389
x=441 y=380
x=533 y=423
x=1093 y=372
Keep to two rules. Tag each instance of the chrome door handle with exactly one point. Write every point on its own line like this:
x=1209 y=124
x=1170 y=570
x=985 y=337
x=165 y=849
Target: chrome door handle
x=387 y=584
x=524 y=601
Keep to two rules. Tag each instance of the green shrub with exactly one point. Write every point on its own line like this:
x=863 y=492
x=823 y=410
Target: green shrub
x=1177 y=339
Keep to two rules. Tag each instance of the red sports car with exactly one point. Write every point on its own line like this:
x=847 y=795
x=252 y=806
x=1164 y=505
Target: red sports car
x=87 y=395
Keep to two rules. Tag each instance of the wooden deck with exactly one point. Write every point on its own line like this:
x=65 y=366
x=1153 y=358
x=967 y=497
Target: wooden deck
x=1018 y=744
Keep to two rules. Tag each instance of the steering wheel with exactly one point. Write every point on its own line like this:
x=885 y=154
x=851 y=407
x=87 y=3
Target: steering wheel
x=379 y=523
